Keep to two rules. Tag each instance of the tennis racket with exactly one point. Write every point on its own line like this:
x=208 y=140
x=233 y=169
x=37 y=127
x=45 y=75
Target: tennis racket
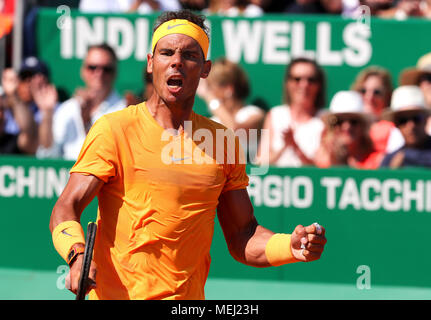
x=88 y=256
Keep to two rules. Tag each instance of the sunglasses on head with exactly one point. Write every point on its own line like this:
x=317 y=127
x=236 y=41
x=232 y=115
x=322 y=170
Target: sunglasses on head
x=376 y=92
x=416 y=118
x=425 y=77
x=308 y=79
x=94 y=67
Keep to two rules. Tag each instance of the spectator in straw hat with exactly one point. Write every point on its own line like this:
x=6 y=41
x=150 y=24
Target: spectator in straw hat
x=346 y=139
x=420 y=76
x=409 y=114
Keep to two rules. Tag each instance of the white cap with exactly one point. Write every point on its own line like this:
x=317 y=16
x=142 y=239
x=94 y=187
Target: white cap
x=407 y=98
x=347 y=102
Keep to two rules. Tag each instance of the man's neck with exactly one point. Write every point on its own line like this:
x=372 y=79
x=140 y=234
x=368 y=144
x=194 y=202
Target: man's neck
x=169 y=116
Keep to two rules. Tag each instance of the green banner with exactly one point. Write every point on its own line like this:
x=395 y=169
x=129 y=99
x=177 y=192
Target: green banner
x=376 y=222
x=263 y=46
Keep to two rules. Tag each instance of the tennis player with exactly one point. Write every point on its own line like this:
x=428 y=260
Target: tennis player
x=156 y=207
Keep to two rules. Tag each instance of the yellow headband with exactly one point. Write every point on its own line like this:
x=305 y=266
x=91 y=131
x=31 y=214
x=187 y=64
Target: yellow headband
x=184 y=27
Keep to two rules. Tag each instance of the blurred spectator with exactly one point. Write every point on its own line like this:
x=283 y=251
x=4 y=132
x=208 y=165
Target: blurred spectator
x=332 y=6
x=345 y=140
x=375 y=86
x=141 y=6
x=25 y=139
x=33 y=73
x=353 y=8
x=195 y=5
x=30 y=89
x=409 y=114
x=225 y=91
x=377 y=6
x=305 y=6
x=233 y=8
x=63 y=132
x=420 y=76
x=405 y=9
x=265 y=5
x=278 y=6
x=315 y=7
x=293 y=129
x=427 y=9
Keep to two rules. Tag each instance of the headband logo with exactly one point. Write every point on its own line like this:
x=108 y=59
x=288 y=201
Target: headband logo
x=176 y=25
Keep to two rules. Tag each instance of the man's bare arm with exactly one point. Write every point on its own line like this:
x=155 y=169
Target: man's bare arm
x=247 y=240
x=78 y=193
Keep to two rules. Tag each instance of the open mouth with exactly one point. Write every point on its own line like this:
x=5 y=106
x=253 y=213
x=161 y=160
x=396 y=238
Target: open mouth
x=175 y=82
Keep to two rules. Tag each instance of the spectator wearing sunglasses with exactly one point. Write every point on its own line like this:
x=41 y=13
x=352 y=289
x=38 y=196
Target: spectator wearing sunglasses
x=294 y=129
x=420 y=76
x=64 y=132
x=345 y=139
x=375 y=86
x=409 y=113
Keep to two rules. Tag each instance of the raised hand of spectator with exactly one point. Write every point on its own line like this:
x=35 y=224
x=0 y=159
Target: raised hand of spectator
x=44 y=94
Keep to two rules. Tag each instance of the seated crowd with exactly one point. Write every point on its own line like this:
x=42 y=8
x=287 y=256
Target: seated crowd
x=367 y=126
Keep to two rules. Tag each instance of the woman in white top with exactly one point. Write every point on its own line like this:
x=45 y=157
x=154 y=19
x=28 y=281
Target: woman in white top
x=225 y=91
x=293 y=130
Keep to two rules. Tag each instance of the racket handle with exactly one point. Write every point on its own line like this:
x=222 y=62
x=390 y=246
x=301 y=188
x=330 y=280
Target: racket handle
x=88 y=256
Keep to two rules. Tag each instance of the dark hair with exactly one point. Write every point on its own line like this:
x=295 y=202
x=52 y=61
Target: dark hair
x=320 y=76
x=107 y=48
x=197 y=19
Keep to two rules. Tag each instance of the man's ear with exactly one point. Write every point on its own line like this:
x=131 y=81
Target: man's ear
x=149 y=63
x=206 y=69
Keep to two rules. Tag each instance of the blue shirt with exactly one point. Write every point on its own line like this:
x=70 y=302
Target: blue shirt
x=413 y=157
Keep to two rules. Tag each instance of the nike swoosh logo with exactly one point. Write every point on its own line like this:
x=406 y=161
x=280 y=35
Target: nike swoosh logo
x=179 y=159
x=176 y=25
x=65 y=232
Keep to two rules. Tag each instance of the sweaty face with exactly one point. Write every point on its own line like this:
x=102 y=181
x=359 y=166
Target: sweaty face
x=177 y=66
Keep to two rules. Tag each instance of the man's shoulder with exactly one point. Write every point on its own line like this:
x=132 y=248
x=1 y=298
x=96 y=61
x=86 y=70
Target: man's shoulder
x=123 y=115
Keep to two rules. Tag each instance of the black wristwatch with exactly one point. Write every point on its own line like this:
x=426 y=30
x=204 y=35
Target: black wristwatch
x=73 y=254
